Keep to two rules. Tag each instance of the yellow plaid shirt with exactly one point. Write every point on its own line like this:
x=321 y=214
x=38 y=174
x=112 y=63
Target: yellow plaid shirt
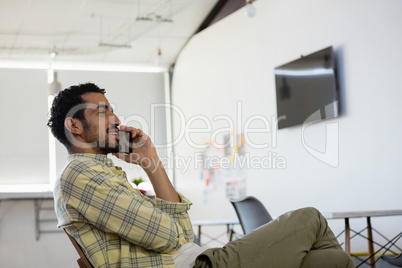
x=113 y=222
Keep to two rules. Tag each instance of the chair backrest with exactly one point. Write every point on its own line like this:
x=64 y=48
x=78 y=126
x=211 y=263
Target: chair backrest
x=394 y=260
x=251 y=213
x=83 y=261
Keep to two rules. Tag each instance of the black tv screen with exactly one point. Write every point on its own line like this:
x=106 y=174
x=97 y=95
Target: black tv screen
x=306 y=89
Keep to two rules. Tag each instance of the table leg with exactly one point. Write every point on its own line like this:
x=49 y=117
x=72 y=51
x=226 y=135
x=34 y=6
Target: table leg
x=231 y=235
x=228 y=231
x=347 y=236
x=199 y=234
x=370 y=243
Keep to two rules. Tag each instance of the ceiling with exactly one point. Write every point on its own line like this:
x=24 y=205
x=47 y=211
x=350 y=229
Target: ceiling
x=113 y=31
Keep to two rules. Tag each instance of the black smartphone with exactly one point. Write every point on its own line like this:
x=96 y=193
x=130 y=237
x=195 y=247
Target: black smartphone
x=125 y=142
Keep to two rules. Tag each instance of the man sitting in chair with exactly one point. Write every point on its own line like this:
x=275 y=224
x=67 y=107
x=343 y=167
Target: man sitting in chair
x=117 y=226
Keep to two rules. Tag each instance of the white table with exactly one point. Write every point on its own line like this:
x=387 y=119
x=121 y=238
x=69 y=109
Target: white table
x=362 y=214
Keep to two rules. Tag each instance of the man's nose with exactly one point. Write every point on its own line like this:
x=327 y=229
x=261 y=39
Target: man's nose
x=115 y=120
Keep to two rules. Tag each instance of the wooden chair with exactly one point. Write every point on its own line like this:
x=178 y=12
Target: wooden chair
x=83 y=261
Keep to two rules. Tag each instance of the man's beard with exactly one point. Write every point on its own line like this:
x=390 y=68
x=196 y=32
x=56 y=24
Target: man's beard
x=102 y=142
x=112 y=148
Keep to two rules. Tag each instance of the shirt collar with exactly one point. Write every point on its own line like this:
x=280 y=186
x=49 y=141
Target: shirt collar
x=100 y=158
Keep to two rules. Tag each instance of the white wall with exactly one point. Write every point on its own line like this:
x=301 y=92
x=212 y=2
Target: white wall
x=234 y=61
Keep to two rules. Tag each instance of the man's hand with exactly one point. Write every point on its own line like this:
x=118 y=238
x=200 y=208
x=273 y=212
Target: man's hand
x=144 y=154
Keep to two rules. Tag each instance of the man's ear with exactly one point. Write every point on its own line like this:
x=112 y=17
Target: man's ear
x=73 y=125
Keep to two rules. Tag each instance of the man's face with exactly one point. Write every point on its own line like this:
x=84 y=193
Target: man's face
x=101 y=123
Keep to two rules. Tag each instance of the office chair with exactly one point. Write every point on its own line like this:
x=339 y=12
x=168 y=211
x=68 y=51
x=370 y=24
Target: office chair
x=394 y=260
x=83 y=261
x=251 y=213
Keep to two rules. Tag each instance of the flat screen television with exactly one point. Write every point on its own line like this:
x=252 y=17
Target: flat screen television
x=306 y=89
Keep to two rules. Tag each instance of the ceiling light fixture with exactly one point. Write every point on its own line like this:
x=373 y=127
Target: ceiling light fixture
x=55 y=86
x=154 y=15
x=250 y=10
x=159 y=59
x=169 y=17
x=102 y=43
x=50 y=70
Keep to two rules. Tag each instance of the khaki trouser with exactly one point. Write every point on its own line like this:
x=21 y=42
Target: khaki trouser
x=301 y=238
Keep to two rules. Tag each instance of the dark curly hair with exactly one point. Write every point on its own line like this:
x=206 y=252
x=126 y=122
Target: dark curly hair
x=63 y=104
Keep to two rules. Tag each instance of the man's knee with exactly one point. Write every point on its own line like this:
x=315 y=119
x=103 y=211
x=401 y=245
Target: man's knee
x=309 y=212
x=310 y=215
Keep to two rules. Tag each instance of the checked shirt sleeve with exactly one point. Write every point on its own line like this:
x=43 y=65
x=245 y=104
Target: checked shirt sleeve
x=98 y=197
x=178 y=211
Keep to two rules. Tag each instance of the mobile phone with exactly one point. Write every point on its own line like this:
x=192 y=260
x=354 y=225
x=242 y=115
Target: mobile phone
x=125 y=142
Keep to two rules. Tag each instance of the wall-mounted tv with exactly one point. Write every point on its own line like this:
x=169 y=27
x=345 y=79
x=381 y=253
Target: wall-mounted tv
x=306 y=87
